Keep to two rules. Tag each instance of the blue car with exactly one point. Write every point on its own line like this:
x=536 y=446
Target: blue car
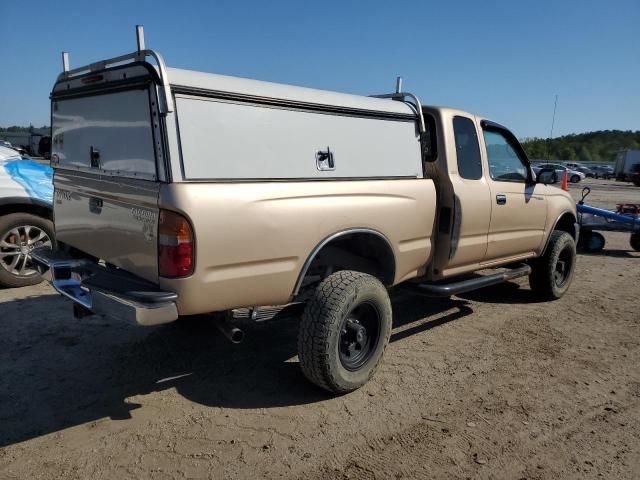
x=26 y=212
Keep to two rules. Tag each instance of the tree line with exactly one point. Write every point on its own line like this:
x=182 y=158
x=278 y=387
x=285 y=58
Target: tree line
x=592 y=146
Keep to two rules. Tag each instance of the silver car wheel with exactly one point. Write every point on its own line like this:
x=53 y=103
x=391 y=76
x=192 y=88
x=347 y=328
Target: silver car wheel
x=16 y=246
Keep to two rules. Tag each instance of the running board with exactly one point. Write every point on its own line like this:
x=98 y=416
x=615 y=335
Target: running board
x=463 y=286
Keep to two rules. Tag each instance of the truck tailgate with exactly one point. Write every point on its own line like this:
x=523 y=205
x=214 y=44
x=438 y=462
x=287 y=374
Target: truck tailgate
x=106 y=150
x=113 y=219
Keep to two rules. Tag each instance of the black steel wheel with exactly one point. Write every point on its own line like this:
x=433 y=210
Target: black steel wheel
x=552 y=273
x=359 y=336
x=344 y=330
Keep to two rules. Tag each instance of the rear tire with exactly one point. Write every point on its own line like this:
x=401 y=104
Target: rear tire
x=19 y=233
x=634 y=241
x=574 y=178
x=552 y=273
x=344 y=330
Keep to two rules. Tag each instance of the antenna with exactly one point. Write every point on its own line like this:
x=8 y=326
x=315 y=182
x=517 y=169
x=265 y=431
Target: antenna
x=398 y=84
x=553 y=123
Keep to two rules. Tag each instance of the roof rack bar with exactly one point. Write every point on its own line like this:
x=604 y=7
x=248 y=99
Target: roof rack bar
x=402 y=96
x=140 y=38
x=398 y=84
x=65 y=62
x=138 y=55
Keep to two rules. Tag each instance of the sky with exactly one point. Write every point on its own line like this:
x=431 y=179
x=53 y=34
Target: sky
x=505 y=60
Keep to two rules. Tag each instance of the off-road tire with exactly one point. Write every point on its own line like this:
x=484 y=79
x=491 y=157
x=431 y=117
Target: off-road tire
x=319 y=337
x=543 y=276
x=634 y=241
x=13 y=220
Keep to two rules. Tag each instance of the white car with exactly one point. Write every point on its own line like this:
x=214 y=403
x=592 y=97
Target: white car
x=7 y=153
x=26 y=211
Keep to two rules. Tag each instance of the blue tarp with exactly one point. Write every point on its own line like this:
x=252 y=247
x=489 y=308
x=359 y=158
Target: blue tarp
x=35 y=178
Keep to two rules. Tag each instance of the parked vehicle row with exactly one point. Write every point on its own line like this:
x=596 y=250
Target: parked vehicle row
x=579 y=171
x=573 y=176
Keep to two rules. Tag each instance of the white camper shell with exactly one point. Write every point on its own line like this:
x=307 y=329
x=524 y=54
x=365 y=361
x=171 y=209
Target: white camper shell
x=122 y=121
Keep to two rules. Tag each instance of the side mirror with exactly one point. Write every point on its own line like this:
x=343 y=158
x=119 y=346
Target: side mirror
x=548 y=176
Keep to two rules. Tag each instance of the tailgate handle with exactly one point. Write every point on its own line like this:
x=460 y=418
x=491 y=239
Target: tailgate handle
x=94 y=154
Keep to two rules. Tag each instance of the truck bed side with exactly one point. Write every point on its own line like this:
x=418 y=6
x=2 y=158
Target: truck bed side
x=252 y=239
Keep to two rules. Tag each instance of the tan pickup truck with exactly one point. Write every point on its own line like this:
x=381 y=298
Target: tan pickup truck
x=182 y=193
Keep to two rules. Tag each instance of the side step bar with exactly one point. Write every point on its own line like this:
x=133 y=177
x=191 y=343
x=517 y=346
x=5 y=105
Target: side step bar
x=463 y=286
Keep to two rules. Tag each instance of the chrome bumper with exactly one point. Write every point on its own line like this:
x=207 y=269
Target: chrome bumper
x=75 y=279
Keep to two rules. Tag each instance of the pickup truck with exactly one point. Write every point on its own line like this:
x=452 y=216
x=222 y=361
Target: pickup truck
x=182 y=193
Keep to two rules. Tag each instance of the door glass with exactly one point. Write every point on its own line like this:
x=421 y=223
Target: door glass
x=504 y=163
x=467 y=148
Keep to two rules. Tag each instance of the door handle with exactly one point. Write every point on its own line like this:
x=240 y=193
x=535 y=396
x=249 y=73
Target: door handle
x=501 y=199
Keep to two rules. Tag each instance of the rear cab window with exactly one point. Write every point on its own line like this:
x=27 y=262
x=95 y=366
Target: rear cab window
x=467 y=148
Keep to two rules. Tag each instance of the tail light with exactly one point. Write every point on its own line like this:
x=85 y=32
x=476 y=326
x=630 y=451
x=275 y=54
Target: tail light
x=175 y=245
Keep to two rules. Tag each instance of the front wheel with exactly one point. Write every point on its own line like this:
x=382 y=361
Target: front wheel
x=574 y=178
x=553 y=272
x=344 y=330
x=634 y=241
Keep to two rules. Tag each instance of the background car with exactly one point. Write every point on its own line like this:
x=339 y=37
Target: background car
x=602 y=171
x=26 y=211
x=586 y=170
x=574 y=176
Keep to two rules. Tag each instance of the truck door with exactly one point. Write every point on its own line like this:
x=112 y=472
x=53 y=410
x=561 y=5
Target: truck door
x=519 y=209
x=472 y=207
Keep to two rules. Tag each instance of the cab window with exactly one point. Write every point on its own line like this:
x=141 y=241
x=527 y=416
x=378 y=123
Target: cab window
x=505 y=165
x=467 y=148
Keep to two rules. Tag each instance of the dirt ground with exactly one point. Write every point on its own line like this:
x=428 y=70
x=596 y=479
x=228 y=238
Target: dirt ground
x=487 y=385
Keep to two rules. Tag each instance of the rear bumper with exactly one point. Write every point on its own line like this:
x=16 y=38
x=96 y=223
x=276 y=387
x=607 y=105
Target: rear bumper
x=96 y=289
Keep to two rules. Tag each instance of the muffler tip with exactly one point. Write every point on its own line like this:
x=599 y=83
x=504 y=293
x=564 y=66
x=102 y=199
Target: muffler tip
x=237 y=335
x=229 y=330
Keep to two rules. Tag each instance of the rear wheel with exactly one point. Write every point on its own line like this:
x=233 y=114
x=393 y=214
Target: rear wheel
x=553 y=272
x=634 y=241
x=574 y=178
x=20 y=233
x=344 y=330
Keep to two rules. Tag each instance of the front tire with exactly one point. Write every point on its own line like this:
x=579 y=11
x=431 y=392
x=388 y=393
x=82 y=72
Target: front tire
x=553 y=272
x=344 y=330
x=634 y=241
x=19 y=234
x=574 y=179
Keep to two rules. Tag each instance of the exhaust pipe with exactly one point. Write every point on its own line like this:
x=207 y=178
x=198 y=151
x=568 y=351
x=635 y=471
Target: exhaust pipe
x=229 y=330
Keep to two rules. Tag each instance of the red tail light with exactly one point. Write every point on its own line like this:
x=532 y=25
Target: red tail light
x=175 y=245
